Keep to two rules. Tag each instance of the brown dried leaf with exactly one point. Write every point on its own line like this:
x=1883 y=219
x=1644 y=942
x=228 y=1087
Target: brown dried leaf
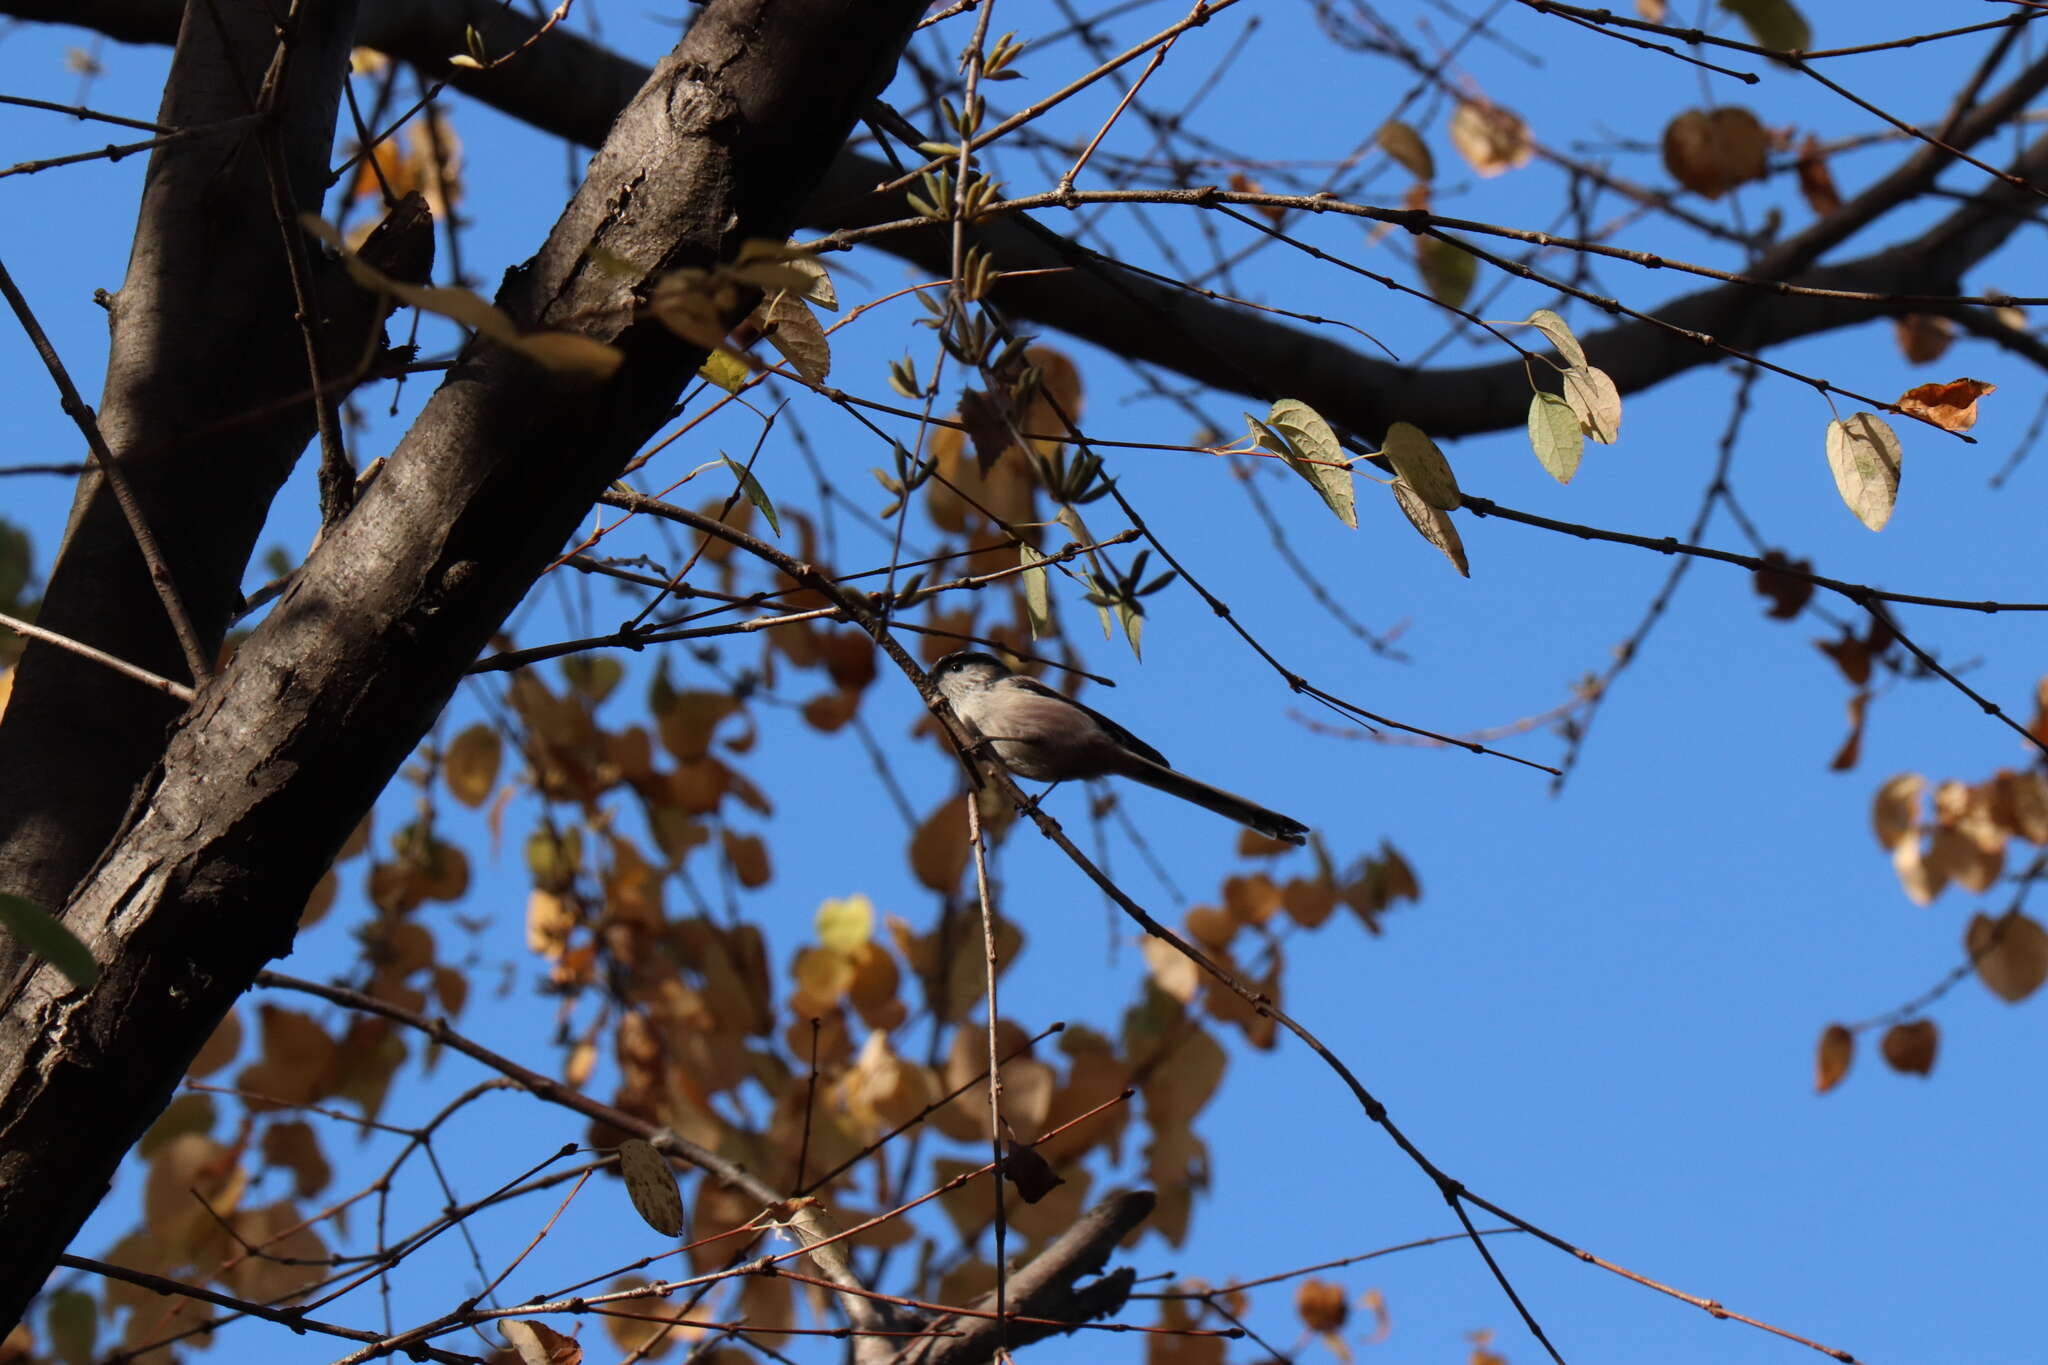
x=295 y=1146
x=1852 y=745
x=2010 y=953
x=1816 y=181
x=1321 y=1305
x=539 y=1344
x=1923 y=337
x=1951 y=406
x=1837 y=1050
x=939 y=849
x=470 y=765
x=1711 y=151
x=1909 y=1047
x=651 y=1184
x=1895 y=816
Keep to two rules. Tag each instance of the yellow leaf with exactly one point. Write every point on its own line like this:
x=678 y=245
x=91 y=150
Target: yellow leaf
x=846 y=924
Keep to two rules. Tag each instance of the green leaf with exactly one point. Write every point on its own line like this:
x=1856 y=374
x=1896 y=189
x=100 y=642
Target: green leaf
x=724 y=369
x=73 y=1322
x=37 y=930
x=1304 y=441
x=1559 y=333
x=756 y=494
x=1448 y=270
x=1419 y=464
x=1554 y=433
x=1037 y=597
x=1134 y=625
x=1773 y=23
x=1596 y=401
x=1864 y=454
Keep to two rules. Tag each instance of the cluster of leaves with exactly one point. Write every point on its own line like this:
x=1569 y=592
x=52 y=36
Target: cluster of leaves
x=1955 y=833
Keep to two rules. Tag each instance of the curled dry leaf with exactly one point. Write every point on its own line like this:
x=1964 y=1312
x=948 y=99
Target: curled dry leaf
x=2010 y=954
x=1909 y=1047
x=1711 y=151
x=651 y=1185
x=1489 y=137
x=1951 y=406
x=1837 y=1050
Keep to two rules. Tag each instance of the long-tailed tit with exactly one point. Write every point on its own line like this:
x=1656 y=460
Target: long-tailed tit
x=1039 y=734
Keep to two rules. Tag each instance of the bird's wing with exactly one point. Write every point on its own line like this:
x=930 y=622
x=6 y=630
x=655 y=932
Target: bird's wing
x=1122 y=736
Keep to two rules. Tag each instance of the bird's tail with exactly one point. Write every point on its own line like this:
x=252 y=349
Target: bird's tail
x=1230 y=806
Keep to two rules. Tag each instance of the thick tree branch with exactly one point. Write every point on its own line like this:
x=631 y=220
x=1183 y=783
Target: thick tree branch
x=275 y=762
x=562 y=86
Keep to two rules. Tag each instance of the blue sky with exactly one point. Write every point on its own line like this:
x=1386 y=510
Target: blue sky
x=1602 y=1013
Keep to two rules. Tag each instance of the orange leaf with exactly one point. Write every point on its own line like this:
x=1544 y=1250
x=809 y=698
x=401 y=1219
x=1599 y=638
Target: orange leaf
x=1951 y=406
x=1837 y=1049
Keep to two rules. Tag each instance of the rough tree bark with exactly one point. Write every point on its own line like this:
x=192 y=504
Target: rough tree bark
x=274 y=763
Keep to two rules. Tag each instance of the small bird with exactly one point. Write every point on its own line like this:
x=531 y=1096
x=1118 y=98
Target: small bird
x=1042 y=735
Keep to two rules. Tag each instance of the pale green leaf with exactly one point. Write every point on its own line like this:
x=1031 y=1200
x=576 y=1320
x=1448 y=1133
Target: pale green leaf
x=1596 y=401
x=1559 y=333
x=1297 y=433
x=1447 y=269
x=1422 y=466
x=1773 y=23
x=37 y=930
x=756 y=494
x=1434 y=524
x=1037 y=594
x=72 y=1319
x=1864 y=454
x=1554 y=433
